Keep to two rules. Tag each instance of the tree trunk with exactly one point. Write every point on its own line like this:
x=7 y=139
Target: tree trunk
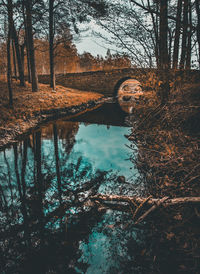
x=18 y=55
x=22 y=56
x=164 y=59
x=177 y=35
x=9 y=70
x=28 y=64
x=51 y=41
x=184 y=35
x=21 y=196
x=148 y=201
x=16 y=42
x=23 y=171
x=55 y=134
x=38 y=162
x=155 y=29
x=39 y=180
x=26 y=43
x=164 y=88
x=189 y=44
x=31 y=50
x=138 y=202
x=14 y=60
x=197 y=5
x=140 y=207
x=9 y=81
x=169 y=47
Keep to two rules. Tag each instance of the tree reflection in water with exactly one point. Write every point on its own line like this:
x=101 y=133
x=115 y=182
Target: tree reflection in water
x=43 y=193
x=48 y=226
x=34 y=209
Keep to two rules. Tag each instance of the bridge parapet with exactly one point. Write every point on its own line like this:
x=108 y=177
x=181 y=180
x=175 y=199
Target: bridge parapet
x=107 y=82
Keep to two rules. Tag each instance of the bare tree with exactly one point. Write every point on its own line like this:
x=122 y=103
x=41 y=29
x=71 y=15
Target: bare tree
x=14 y=36
x=184 y=35
x=51 y=43
x=14 y=60
x=134 y=28
x=9 y=71
x=189 y=37
x=197 y=5
x=163 y=39
x=31 y=50
x=177 y=35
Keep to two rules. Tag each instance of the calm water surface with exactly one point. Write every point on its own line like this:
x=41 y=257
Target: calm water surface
x=47 y=222
x=47 y=225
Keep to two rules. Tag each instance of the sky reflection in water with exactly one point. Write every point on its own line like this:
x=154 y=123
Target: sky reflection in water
x=83 y=151
x=104 y=147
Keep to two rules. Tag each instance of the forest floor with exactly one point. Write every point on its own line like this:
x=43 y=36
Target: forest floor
x=168 y=138
x=33 y=108
x=168 y=158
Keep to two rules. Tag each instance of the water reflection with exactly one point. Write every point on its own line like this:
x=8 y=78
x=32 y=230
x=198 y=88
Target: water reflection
x=129 y=95
x=109 y=114
x=46 y=180
x=47 y=223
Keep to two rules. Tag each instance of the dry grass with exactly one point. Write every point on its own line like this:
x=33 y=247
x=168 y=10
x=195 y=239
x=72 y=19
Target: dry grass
x=27 y=102
x=169 y=144
x=28 y=105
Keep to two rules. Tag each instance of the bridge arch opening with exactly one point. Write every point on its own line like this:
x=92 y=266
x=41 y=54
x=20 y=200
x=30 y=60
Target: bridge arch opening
x=127 y=85
x=117 y=86
x=125 y=92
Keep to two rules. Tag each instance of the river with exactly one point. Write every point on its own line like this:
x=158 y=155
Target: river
x=44 y=179
x=47 y=222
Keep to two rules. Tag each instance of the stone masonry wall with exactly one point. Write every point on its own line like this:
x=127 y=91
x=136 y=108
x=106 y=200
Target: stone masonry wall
x=107 y=82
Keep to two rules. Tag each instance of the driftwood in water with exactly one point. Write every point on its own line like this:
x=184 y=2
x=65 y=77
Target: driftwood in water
x=151 y=201
x=129 y=202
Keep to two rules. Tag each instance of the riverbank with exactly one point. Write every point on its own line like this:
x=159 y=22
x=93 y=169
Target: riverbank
x=168 y=159
x=31 y=109
x=168 y=139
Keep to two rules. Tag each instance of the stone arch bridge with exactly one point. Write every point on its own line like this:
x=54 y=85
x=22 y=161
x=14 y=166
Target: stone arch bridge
x=108 y=82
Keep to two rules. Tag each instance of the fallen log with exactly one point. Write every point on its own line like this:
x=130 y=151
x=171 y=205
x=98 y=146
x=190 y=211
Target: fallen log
x=151 y=201
x=154 y=207
x=125 y=203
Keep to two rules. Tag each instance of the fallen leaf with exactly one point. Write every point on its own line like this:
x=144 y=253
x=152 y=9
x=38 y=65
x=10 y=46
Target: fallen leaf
x=170 y=235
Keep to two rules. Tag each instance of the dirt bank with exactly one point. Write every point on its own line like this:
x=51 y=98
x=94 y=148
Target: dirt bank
x=169 y=144
x=33 y=108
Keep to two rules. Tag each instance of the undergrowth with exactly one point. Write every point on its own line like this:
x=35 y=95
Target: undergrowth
x=169 y=144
